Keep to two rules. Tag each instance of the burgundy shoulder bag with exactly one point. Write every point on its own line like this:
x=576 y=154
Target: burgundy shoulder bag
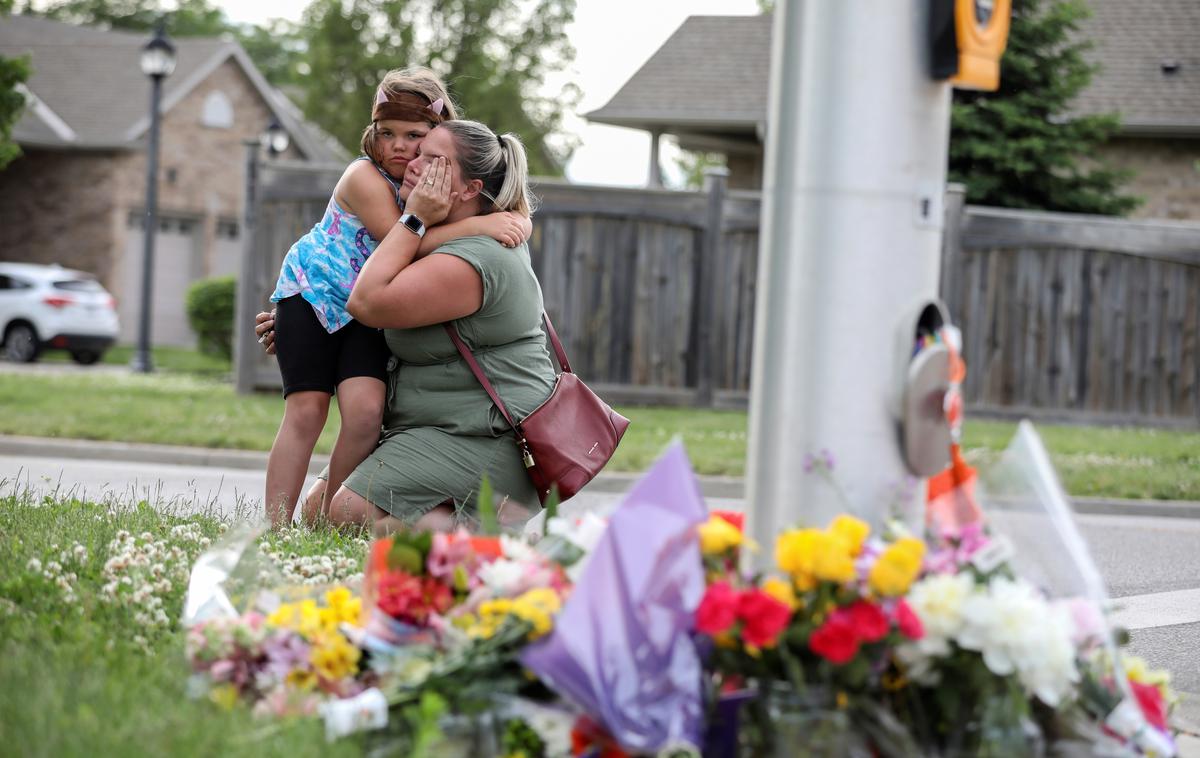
x=567 y=439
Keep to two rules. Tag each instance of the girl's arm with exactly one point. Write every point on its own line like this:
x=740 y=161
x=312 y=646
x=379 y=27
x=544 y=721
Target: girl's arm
x=395 y=291
x=508 y=228
x=366 y=194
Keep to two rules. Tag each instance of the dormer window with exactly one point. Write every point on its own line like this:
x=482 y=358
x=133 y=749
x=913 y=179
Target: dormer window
x=218 y=111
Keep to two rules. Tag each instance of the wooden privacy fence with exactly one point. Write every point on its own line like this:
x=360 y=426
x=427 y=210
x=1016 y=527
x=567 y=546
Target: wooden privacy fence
x=653 y=293
x=1081 y=317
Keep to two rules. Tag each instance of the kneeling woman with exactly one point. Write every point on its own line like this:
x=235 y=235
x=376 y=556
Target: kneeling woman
x=441 y=432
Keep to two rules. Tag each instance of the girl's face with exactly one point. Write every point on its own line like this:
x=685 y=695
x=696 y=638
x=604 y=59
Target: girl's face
x=397 y=142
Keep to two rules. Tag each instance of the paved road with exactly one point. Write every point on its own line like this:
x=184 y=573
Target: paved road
x=1151 y=565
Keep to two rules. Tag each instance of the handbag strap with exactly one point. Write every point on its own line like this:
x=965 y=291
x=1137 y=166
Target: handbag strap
x=469 y=357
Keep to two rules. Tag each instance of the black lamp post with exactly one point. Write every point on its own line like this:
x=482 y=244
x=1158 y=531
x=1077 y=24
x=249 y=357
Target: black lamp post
x=158 y=61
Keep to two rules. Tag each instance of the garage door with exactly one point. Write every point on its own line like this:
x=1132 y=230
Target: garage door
x=175 y=267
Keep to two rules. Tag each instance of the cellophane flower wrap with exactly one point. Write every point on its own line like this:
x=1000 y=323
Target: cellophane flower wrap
x=622 y=649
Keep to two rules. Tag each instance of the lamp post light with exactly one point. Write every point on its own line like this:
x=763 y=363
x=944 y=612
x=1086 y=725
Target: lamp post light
x=158 y=61
x=274 y=140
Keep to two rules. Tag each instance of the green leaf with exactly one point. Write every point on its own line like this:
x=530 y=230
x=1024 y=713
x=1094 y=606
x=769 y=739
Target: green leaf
x=551 y=508
x=488 y=524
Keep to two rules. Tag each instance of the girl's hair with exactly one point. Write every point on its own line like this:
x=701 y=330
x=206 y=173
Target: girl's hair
x=498 y=160
x=411 y=81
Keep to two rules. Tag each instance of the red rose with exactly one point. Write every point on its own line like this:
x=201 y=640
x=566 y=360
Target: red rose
x=398 y=592
x=718 y=609
x=1150 y=700
x=908 y=621
x=836 y=640
x=437 y=596
x=870 y=623
x=763 y=617
x=738 y=520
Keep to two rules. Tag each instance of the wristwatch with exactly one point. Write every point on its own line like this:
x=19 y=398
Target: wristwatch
x=413 y=224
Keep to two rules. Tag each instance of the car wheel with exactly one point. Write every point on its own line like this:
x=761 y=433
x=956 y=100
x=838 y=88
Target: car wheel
x=21 y=344
x=85 y=357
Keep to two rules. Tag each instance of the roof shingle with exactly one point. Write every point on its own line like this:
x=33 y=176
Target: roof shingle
x=713 y=71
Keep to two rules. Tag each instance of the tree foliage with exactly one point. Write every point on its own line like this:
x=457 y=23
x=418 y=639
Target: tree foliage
x=1021 y=147
x=13 y=71
x=495 y=55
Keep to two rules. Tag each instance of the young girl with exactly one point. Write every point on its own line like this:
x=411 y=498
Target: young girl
x=321 y=349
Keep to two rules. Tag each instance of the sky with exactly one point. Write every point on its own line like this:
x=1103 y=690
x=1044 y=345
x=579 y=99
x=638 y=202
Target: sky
x=612 y=39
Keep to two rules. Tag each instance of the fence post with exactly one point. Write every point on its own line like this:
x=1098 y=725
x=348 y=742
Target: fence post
x=716 y=180
x=244 y=342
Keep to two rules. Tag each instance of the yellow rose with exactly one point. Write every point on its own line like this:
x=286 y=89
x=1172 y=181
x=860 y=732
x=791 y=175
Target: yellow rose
x=781 y=591
x=333 y=657
x=833 y=561
x=852 y=530
x=718 y=535
x=795 y=549
x=897 y=567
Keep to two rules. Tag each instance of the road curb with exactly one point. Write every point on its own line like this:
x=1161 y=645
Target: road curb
x=711 y=486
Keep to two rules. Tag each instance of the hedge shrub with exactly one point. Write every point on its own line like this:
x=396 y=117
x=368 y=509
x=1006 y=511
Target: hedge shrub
x=210 y=308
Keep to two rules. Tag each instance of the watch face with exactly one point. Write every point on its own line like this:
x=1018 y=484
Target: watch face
x=414 y=223
x=983 y=11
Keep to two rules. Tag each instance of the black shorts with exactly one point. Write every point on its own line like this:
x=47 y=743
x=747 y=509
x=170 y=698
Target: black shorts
x=311 y=358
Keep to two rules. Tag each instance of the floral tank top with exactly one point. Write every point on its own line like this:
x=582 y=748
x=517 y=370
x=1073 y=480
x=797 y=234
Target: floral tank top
x=323 y=265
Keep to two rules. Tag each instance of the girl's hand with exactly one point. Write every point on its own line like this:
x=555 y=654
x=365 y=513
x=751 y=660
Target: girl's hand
x=508 y=228
x=430 y=200
x=264 y=328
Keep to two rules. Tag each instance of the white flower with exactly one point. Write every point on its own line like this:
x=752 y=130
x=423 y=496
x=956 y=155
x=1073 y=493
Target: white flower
x=517 y=549
x=34 y=565
x=938 y=601
x=502 y=576
x=368 y=710
x=584 y=532
x=1016 y=630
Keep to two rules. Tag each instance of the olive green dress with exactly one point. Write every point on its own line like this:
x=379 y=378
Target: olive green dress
x=441 y=431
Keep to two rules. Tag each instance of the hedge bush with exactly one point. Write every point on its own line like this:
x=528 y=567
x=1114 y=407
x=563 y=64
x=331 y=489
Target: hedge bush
x=210 y=308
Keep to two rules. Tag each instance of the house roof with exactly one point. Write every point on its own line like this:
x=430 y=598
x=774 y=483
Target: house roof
x=712 y=72
x=1134 y=40
x=87 y=89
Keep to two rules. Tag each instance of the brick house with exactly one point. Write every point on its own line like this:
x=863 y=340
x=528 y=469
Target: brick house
x=707 y=87
x=77 y=194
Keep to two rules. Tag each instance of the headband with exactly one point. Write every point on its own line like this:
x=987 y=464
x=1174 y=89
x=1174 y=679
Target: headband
x=405 y=106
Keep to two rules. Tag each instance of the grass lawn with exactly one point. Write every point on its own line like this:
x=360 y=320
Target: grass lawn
x=87 y=671
x=189 y=403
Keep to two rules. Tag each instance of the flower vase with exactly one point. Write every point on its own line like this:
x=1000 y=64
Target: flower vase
x=810 y=725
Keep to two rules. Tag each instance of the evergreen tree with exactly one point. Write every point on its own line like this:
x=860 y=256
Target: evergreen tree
x=1020 y=147
x=13 y=71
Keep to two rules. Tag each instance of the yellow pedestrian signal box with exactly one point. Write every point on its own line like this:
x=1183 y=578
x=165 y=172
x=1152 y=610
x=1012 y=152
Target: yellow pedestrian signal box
x=967 y=39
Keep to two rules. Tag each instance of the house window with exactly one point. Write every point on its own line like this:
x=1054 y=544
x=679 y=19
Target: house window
x=227 y=229
x=218 y=111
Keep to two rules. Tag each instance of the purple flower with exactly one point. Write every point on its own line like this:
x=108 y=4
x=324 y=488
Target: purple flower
x=285 y=651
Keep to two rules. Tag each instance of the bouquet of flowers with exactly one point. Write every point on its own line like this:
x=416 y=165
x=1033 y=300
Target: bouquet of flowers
x=284 y=663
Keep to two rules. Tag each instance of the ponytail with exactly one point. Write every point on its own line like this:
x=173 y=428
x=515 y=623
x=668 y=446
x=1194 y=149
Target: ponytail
x=498 y=161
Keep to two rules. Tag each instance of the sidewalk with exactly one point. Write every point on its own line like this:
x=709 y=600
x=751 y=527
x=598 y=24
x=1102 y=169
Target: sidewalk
x=711 y=486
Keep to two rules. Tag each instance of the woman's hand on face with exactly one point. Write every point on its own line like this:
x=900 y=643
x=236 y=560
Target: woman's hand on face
x=430 y=200
x=508 y=228
x=264 y=328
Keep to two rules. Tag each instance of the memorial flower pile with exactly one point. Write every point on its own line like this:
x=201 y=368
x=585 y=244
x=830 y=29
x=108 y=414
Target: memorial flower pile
x=648 y=632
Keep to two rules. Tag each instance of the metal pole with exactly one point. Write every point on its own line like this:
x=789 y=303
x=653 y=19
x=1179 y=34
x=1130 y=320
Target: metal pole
x=856 y=163
x=245 y=360
x=142 y=361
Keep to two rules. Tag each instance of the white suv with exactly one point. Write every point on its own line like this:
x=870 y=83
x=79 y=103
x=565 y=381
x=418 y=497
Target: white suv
x=53 y=307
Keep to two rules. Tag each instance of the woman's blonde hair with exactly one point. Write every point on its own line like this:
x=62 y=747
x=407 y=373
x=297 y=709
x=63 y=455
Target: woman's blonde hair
x=413 y=81
x=498 y=160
